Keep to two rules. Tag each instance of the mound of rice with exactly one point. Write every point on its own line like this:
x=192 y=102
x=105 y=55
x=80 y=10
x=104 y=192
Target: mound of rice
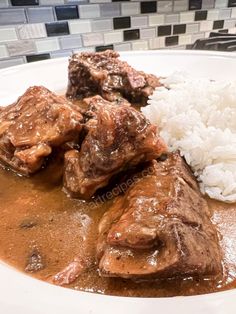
x=198 y=117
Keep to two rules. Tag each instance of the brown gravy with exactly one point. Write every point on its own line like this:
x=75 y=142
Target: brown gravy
x=35 y=214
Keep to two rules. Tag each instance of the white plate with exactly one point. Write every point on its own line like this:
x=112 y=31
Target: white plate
x=21 y=294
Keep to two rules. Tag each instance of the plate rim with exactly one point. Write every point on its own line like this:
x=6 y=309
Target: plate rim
x=218 y=297
x=227 y=55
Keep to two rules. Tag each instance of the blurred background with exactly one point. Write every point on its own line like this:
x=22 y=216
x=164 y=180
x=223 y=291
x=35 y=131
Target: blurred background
x=32 y=30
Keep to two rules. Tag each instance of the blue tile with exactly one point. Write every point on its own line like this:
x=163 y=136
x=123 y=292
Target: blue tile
x=70 y=42
x=24 y=2
x=40 y=14
x=67 y=12
x=110 y=9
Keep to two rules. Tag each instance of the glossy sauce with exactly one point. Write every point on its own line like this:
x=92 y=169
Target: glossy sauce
x=35 y=214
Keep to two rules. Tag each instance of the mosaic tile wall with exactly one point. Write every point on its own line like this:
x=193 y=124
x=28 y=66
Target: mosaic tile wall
x=32 y=30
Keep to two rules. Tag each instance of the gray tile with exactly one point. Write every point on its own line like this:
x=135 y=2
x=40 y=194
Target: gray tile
x=180 y=5
x=139 y=21
x=7 y=34
x=147 y=33
x=197 y=36
x=80 y=26
x=76 y=1
x=70 y=42
x=11 y=62
x=3 y=52
x=12 y=16
x=164 y=6
x=61 y=54
x=230 y=23
x=221 y=4
x=101 y=25
x=20 y=48
x=224 y=14
x=88 y=49
x=110 y=9
x=93 y=39
x=51 y=2
x=89 y=11
x=123 y=47
x=32 y=31
x=130 y=8
x=157 y=43
x=208 y=4
x=4 y=3
x=172 y=18
x=140 y=45
x=113 y=37
x=192 y=28
x=37 y=15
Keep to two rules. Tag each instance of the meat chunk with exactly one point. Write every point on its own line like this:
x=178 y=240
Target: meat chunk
x=160 y=228
x=70 y=273
x=118 y=138
x=29 y=129
x=104 y=74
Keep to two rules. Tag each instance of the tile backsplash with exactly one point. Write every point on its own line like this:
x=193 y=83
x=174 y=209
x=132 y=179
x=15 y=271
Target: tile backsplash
x=32 y=30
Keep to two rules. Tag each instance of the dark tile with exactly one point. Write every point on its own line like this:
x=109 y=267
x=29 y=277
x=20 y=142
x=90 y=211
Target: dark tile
x=179 y=29
x=195 y=4
x=218 y=24
x=24 y=2
x=200 y=15
x=67 y=12
x=172 y=40
x=148 y=7
x=57 y=29
x=39 y=57
x=164 y=30
x=224 y=31
x=232 y=3
x=131 y=34
x=190 y=46
x=103 y=48
x=121 y=22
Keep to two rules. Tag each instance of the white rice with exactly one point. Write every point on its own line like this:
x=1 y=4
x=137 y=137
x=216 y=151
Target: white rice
x=198 y=117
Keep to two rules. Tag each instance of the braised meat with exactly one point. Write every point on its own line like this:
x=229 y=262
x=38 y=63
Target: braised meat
x=70 y=273
x=160 y=228
x=29 y=129
x=118 y=138
x=104 y=74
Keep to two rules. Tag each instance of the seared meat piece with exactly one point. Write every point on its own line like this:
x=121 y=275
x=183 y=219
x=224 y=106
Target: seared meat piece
x=118 y=138
x=38 y=121
x=103 y=73
x=160 y=228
